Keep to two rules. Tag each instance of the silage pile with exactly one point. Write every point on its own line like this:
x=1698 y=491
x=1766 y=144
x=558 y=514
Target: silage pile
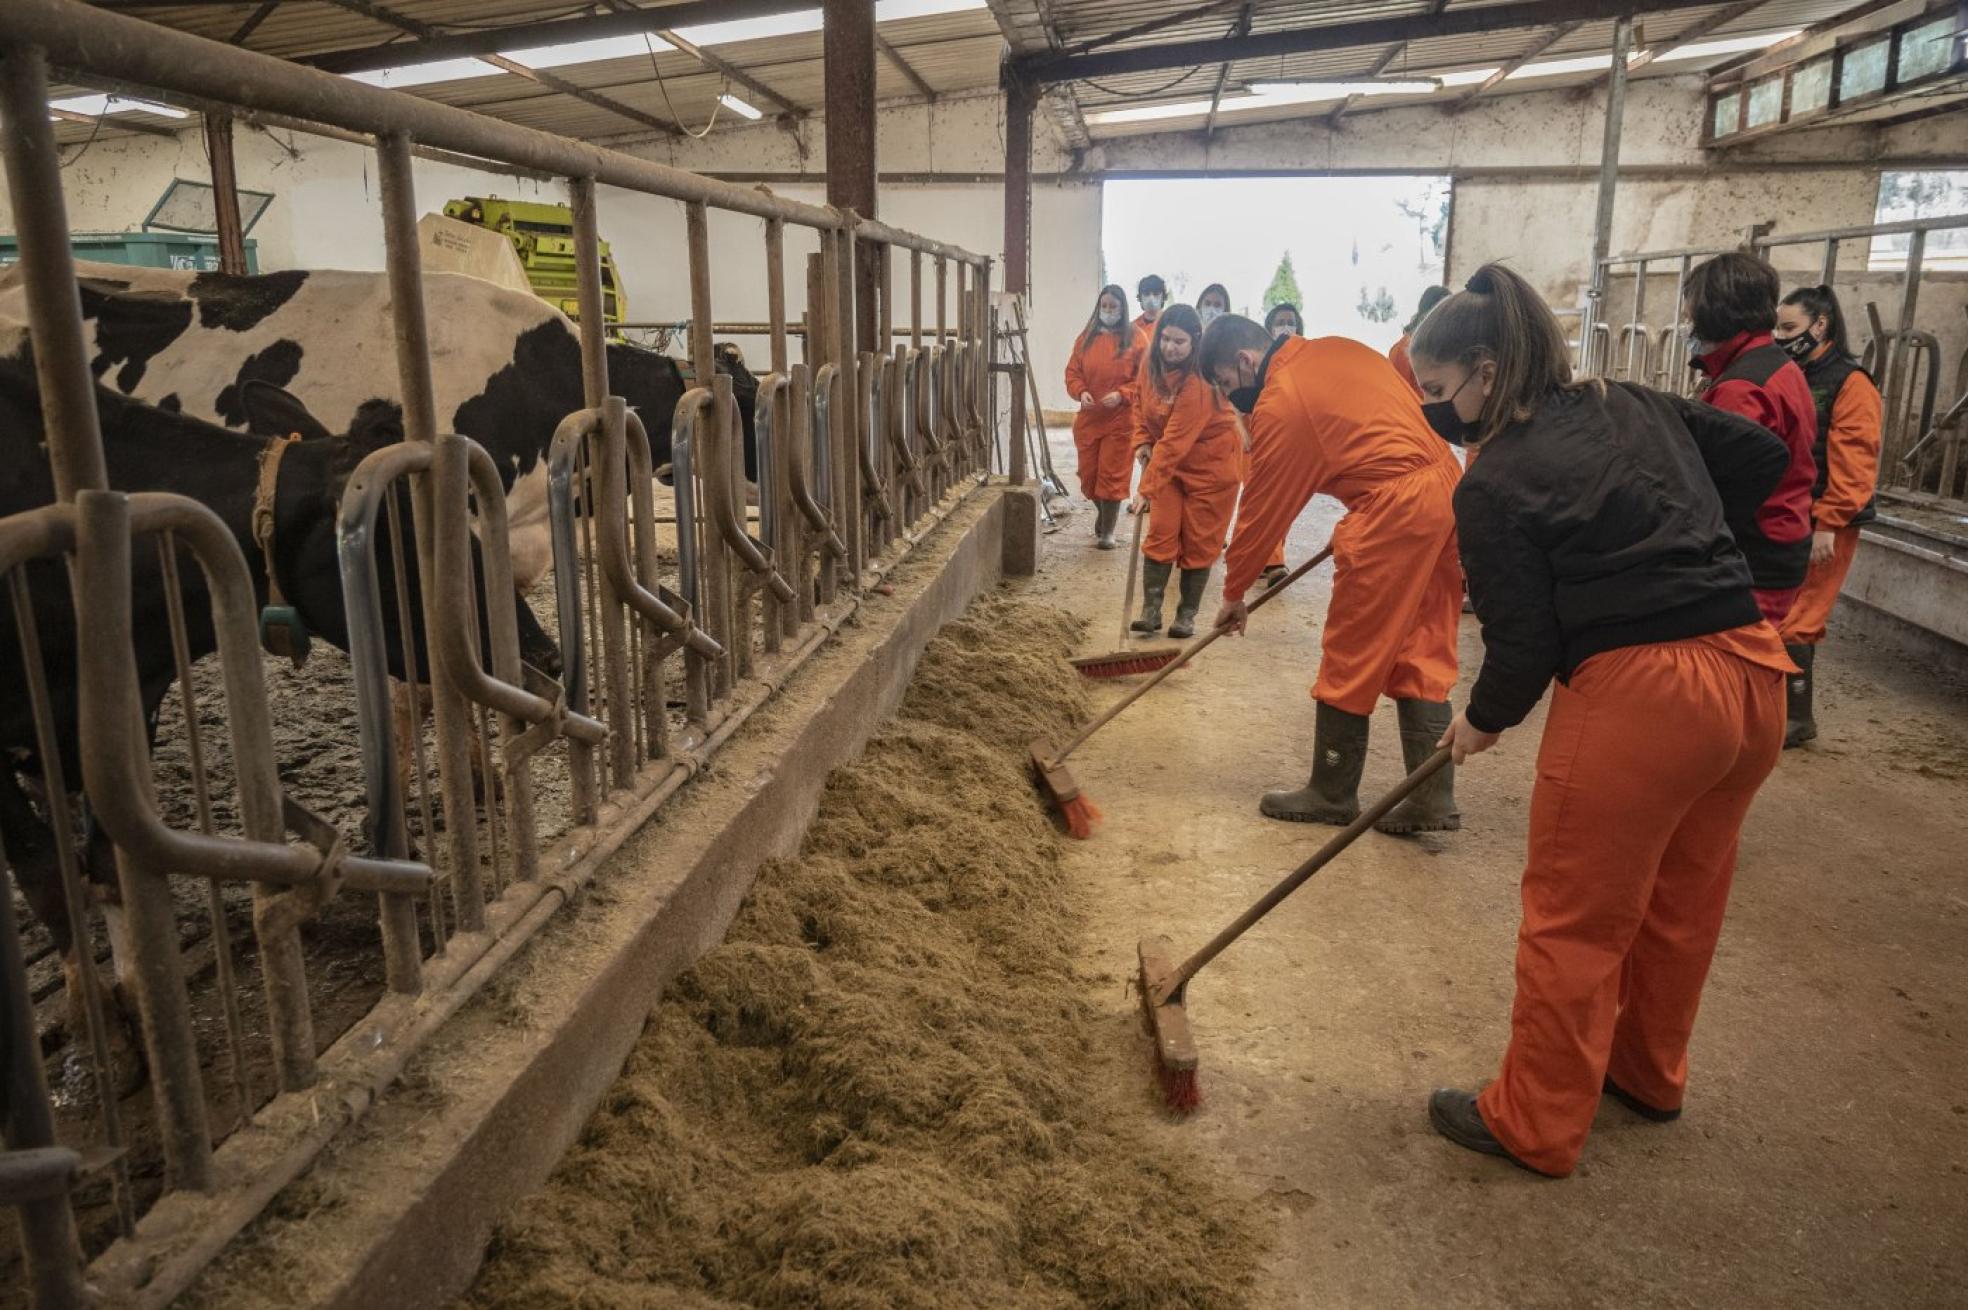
x=882 y=1091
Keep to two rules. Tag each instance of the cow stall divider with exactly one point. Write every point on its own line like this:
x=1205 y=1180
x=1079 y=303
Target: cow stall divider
x=1924 y=431
x=477 y=830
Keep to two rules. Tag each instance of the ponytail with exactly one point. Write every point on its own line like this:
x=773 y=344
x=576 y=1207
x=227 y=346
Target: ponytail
x=1498 y=317
x=1822 y=302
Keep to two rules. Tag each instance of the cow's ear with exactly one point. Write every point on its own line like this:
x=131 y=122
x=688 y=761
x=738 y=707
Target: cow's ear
x=274 y=412
x=378 y=423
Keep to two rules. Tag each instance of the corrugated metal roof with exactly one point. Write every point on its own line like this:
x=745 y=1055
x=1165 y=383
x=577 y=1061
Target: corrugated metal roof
x=953 y=53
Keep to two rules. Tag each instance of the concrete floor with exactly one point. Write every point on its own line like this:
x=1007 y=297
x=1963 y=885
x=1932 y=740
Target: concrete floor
x=1823 y=1158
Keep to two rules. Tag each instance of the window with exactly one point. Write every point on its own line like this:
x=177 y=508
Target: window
x=1926 y=49
x=1765 y=102
x=1864 y=69
x=1728 y=115
x=1810 y=88
x=1904 y=196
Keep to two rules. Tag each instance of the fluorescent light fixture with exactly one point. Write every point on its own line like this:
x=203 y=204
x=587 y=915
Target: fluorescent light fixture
x=1265 y=95
x=1466 y=76
x=1729 y=45
x=739 y=107
x=1561 y=67
x=438 y=70
x=590 y=52
x=100 y=106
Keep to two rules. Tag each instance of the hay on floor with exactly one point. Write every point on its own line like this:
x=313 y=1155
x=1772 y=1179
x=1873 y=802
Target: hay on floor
x=881 y=1091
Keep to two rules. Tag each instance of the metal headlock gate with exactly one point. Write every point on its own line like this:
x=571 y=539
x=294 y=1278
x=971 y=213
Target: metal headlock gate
x=1925 y=447
x=858 y=454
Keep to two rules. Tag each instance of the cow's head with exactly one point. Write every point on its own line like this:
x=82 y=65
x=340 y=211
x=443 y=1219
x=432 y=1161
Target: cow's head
x=314 y=473
x=652 y=383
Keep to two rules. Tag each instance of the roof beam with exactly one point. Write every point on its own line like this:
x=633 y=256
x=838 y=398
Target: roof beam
x=465 y=45
x=1156 y=25
x=1393 y=52
x=1241 y=28
x=904 y=67
x=1695 y=31
x=253 y=21
x=717 y=63
x=1051 y=69
x=100 y=121
x=1813 y=39
x=552 y=82
x=1532 y=51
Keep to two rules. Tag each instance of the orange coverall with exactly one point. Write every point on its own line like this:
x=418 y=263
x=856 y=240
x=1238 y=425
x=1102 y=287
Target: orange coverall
x=1398 y=354
x=1193 y=473
x=1099 y=366
x=1335 y=417
x=1852 y=457
x=1632 y=850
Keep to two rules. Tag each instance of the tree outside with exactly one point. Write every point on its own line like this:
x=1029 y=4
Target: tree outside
x=1284 y=285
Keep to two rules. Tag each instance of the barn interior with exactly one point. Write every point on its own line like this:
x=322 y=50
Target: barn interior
x=596 y=861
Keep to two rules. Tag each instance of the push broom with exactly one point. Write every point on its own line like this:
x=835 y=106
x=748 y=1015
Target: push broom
x=1049 y=765
x=1164 y=984
x=1123 y=661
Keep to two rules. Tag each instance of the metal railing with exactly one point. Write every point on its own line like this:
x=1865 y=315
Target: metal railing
x=664 y=651
x=1919 y=446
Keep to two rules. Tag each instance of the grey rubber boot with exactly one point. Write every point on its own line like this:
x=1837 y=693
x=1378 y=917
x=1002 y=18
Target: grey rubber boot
x=1110 y=515
x=1193 y=583
x=1339 y=752
x=1154 y=582
x=1431 y=807
x=1799 y=725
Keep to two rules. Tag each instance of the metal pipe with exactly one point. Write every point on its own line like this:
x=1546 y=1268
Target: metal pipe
x=1609 y=151
x=225 y=193
x=47 y=270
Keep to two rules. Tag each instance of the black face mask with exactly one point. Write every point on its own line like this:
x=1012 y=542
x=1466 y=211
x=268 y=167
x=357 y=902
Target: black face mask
x=1800 y=347
x=1244 y=399
x=1449 y=425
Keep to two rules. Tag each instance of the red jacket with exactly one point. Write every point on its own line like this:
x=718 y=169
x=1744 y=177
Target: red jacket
x=1750 y=375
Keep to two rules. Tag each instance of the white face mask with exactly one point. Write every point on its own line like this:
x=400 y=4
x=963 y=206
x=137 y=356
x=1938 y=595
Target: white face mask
x=1109 y=317
x=1209 y=314
x=1151 y=301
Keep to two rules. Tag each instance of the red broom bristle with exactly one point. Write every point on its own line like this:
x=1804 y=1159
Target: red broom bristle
x=1080 y=815
x=1181 y=1091
x=1126 y=668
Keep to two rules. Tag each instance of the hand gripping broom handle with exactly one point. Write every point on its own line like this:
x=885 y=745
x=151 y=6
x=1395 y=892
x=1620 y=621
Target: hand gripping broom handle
x=1176 y=981
x=1188 y=653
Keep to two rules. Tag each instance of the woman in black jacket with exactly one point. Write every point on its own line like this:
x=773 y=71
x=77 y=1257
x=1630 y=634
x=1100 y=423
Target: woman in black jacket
x=1596 y=534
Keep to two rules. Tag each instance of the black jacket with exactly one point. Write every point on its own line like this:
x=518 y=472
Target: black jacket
x=1603 y=521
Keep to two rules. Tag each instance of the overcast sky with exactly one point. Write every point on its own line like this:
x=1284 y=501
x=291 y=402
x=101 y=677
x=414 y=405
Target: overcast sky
x=1347 y=235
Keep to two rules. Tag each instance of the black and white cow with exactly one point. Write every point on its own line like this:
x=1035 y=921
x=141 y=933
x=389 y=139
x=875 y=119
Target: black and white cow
x=506 y=366
x=151 y=449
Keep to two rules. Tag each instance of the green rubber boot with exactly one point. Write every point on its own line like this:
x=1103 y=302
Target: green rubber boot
x=1154 y=582
x=1430 y=807
x=1193 y=583
x=1339 y=753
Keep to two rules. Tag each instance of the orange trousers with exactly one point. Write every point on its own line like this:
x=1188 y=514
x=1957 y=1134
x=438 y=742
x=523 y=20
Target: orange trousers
x=1396 y=596
x=1805 y=624
x=1649 y=762
x=1106 y=451
x=1188 y=526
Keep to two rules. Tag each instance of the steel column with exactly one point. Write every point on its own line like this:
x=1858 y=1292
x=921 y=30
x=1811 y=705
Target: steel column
x=225 y=193
x=1602 y=223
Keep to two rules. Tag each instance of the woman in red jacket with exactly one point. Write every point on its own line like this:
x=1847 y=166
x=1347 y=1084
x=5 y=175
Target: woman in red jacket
x=1597 y=533
x=1195 y=467
x=1730 y=303
x=1100 y=375
x=1811 y=327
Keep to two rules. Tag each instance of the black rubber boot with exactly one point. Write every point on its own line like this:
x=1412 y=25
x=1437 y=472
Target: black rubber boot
x=1431 y=807
x=1799 y=727
x=1274 y=574
x=1154 y=582
x=1339 y=753
x=1193 y=583
x=1454 y=1114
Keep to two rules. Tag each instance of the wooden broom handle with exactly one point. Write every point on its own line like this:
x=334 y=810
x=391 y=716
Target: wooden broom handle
x=1188 y=653
x=1297 y=877
x=1134 y=571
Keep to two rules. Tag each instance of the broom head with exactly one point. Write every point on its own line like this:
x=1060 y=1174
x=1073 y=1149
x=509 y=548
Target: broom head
x=1168 y=1026
x=1056 y=780
x=1126 y=663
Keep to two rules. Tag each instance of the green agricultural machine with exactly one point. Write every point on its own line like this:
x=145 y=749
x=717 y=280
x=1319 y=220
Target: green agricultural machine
x=543 y=238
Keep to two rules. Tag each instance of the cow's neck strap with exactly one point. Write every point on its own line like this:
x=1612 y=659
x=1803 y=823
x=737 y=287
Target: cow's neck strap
x=281 y=629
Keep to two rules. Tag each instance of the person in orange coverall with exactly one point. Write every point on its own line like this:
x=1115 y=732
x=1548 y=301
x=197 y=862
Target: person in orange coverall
x=1811 y=329
x=1100 y=375
x=1599 y=530
x=1195 y=466
x=1328 y=414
